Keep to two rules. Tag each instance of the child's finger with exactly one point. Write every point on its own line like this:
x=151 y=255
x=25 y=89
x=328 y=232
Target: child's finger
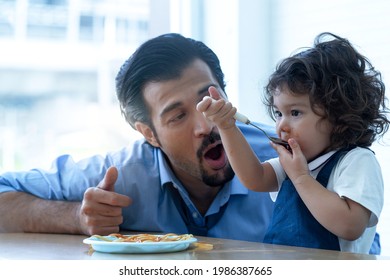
x=204 y=104
x=216 y=93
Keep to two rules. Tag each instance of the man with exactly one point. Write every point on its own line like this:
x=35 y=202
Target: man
x=177 y=179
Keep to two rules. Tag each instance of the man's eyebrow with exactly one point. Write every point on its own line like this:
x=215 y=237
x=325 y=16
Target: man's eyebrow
x=170 y=108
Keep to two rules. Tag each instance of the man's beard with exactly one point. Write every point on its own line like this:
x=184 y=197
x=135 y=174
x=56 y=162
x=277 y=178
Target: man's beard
x=213 y=180
x=216 y=180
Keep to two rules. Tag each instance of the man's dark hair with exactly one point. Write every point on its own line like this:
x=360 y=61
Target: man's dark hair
x=160 y=59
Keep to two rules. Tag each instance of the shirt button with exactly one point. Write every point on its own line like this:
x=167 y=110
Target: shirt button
x=194 y=215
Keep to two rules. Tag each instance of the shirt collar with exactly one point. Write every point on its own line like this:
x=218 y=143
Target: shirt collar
x=167 y=176
x=318 y=162
x=166 y=173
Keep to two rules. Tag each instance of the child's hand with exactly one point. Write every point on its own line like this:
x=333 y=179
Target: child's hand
x=217 y=109
x=294 y=162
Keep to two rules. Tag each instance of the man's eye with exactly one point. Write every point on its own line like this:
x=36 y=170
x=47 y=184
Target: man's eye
x=177 y=118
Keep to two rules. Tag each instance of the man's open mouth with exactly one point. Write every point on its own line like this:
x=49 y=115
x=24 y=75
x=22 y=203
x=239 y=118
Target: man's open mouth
x=215 y=157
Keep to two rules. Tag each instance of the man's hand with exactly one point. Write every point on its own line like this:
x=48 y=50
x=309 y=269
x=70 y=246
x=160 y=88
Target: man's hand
x=101 y=208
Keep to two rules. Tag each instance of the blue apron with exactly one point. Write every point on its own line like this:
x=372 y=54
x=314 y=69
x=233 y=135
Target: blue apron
x=292 y=223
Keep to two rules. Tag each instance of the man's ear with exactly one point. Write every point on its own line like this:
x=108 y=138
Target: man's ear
x=147 y=132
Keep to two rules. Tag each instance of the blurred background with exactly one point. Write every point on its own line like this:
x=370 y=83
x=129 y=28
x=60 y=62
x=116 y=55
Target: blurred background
x=59 y=59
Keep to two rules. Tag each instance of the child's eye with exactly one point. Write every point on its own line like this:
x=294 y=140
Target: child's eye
x=277 y=114
x=295 y=113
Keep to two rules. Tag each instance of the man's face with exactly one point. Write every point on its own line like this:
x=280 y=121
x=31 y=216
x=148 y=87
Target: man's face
x=190 y=142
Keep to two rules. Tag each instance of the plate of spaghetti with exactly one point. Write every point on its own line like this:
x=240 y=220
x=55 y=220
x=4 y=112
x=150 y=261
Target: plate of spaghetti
x=140 y=243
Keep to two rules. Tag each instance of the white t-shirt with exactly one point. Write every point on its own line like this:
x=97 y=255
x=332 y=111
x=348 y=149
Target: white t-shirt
x=356 y=176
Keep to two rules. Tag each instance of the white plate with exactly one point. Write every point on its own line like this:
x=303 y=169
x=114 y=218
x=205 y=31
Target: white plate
x=137 y=248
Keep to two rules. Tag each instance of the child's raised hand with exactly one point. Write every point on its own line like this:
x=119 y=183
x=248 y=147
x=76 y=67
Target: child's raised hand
x=217 y=109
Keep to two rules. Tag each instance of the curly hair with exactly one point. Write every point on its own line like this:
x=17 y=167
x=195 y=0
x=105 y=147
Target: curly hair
x=342 y=85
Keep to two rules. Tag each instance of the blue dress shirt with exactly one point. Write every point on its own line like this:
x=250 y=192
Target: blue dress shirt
x=144 y=175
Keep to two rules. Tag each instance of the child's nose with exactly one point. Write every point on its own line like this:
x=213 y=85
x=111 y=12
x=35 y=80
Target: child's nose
x=283 y=126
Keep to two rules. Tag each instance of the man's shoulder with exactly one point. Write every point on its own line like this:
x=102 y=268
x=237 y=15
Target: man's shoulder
x=137 y=152
x=248 y=129
x=258 y=141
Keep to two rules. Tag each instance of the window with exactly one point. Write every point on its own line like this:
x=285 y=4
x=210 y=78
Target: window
x=91 y=28
x=7 y=18
x=57 y=92
x=47 y=19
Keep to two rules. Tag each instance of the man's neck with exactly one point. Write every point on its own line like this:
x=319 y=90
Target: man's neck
x=203 y=198
x=201 y=195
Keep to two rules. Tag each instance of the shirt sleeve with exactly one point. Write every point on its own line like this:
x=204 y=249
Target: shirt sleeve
x=358 y=177
x=65 y=180
x=280 y=175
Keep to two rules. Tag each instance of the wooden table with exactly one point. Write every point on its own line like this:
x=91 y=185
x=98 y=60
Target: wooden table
x=32 y=246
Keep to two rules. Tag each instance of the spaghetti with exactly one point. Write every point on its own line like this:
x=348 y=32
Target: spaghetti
x=144 y=237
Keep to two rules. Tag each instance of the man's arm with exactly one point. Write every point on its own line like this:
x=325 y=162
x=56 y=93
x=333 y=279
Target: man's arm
x=22 y=212
x=100 y=212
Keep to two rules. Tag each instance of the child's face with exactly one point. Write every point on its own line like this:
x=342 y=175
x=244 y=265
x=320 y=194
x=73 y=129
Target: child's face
x=296 y=119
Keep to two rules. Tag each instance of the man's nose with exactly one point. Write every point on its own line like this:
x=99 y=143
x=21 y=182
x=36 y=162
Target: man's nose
x=202 y=126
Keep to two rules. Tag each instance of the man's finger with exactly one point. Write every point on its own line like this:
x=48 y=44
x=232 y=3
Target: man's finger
x=109 y=179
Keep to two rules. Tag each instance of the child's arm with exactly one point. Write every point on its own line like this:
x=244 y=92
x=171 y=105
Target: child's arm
x=341 y=216
x=251 y=172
